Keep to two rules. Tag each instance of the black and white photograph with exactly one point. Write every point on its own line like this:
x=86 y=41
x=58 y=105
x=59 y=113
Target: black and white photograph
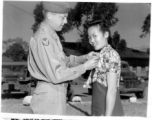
x=75 y=58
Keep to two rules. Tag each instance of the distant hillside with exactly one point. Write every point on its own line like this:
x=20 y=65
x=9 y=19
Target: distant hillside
x=142 y=48
x=132 y=53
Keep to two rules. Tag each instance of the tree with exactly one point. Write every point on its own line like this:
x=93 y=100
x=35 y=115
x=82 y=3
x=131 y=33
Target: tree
x=148 y=51
x=18 y=40
x=122 y=45
x=15 y=52
x=146 y=26
x=117 y=43
x=116 y=40
x=14 y=47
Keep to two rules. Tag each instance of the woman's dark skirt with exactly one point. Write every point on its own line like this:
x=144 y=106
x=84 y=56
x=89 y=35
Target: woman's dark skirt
x=99 y=101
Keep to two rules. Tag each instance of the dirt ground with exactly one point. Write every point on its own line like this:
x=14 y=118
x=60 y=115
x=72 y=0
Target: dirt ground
x=13 y=104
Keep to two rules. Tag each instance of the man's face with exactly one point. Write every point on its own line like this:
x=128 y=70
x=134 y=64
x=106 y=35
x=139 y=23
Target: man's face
x=57 y=21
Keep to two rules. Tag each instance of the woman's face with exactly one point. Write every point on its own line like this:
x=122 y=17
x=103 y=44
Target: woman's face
x=96 y=37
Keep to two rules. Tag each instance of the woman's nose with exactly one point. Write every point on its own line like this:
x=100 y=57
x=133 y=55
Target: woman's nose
x=91 y=41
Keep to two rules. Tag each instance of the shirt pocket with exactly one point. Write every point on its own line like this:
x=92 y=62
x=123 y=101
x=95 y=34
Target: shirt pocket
x=61 y=56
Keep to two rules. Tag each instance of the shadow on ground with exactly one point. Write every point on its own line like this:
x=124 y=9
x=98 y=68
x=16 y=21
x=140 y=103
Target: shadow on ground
x=81 y=95
x=79 y=109
x=123 y=97
x=14 y=95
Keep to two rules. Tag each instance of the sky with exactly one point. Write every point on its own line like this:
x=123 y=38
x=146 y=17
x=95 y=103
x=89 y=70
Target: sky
x=18 y=20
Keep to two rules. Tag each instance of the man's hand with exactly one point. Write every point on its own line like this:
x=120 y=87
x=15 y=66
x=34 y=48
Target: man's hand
x=91 y=63
x=91 y=55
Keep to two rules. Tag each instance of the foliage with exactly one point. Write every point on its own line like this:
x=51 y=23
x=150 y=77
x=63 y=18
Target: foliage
x=148 y=51
x=146 y=26
x=18 y=40
x=118 y=43
x=16 y=49
x=122 y=45
x=84 y=45
x=116 y=39
x=15 y=52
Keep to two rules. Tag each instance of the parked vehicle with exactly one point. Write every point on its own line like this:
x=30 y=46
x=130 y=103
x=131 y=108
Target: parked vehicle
x=130 y=82
x=17 y=79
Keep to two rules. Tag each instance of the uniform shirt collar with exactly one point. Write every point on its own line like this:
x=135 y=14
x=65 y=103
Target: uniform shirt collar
x=48 y=29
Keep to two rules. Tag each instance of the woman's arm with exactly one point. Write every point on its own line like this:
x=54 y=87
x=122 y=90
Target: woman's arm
x=111 y=92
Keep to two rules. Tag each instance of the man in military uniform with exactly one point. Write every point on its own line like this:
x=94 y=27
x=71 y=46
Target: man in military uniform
x=50 y=66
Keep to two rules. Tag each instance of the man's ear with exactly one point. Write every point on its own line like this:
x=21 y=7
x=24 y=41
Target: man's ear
x=49 y=15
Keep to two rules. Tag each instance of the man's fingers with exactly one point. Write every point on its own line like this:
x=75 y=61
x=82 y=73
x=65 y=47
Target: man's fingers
x=95 y=58
x=95 y=55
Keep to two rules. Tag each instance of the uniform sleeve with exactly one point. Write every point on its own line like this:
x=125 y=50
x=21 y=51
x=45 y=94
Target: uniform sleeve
x=55 y=69
x=73 y=61
x=113 y=62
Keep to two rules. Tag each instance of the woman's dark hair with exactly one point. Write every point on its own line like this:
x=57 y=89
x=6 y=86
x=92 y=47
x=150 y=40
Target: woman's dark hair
x=103 y=27
x=38 y=15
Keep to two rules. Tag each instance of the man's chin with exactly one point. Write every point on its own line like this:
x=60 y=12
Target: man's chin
x=59 y=29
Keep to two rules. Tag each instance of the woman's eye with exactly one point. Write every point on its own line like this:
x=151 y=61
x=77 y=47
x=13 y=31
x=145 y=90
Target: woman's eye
x=94 y=36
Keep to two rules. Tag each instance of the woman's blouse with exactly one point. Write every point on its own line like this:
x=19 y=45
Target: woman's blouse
x=109 y=61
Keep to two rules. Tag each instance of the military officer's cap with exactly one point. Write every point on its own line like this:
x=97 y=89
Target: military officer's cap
x=57 y=7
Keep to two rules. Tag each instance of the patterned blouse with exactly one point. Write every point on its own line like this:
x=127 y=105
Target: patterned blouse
x=109 y=61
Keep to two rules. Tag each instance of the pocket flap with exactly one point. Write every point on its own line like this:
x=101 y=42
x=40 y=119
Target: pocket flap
x=61 y=56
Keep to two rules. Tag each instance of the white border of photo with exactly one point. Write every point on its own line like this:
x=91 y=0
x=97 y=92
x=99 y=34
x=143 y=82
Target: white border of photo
x=7 y=116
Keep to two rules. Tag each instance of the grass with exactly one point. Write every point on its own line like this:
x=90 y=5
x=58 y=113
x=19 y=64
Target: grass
x=76 y=109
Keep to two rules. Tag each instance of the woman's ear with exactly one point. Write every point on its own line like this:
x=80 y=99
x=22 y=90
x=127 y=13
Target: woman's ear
x=106 y=34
